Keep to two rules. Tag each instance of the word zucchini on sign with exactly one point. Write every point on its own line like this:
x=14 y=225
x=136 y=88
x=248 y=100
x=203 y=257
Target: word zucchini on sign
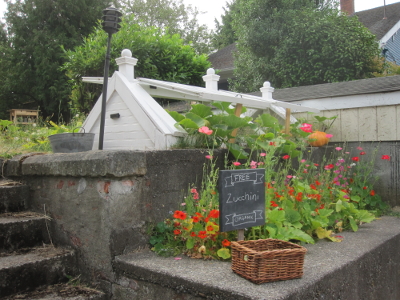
x=241 y=198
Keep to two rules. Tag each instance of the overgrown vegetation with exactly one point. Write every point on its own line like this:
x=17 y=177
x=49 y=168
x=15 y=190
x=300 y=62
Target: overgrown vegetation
x=305 y=200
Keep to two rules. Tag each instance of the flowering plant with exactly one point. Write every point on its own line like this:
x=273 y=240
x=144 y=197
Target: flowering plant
x=305 y=200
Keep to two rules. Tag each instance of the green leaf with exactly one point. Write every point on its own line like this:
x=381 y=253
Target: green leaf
x=266 y=120
x=187 y=123
x=353 y=224
x=237 y=151
x=365 y=216
x=201 y=110
x=276 y=216
x=177 y=116
x=224 y=106
x=190 y=243
x=224 y=253
x=200 y=122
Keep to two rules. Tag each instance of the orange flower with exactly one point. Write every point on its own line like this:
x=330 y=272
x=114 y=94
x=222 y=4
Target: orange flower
x=196 y=219
x=202 y=234
x=214 y=214
x=299 y=197
x=179 y=215
x=192 y=234
x=372 y=193
x=273 y=204
x=226 y=243
x=177 y=232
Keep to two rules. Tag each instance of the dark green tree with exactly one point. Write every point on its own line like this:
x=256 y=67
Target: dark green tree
x=36 y=31
x=224 y=33
x=171 y=15
x=298 y=42
x=160 y=56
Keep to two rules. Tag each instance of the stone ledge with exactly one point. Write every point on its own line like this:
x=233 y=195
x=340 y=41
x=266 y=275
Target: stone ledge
x=366 y=265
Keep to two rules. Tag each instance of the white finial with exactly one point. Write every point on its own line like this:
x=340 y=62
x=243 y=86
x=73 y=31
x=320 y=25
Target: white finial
x=210 y=71
x=211 y=80
x=126 y=53
x=126 y=64
x=267 y=91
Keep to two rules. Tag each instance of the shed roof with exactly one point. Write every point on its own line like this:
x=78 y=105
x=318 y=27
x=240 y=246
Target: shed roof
x=223 y=59
x=337 y=89
x=374 y=19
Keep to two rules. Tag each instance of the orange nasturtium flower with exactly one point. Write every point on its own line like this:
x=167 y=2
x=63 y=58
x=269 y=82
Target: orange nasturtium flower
x=226 y=243
x=214 y=214
x=177 y=232
x=179 y=215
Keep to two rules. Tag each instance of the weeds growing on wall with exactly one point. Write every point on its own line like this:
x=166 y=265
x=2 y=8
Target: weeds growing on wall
x=305 y=200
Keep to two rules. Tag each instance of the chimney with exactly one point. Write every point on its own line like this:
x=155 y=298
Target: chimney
x=347 y=6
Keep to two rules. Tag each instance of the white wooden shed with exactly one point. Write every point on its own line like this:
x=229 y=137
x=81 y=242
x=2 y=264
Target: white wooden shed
x=134 y=120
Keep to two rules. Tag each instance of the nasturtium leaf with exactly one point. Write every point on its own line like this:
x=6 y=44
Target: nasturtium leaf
x=187 y=123
x=365 y=216
x=224 y=253
x=237 y=151
x=355 y=198
x=175 y=115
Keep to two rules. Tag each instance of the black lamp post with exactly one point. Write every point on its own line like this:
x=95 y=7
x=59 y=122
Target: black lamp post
x=111 y=19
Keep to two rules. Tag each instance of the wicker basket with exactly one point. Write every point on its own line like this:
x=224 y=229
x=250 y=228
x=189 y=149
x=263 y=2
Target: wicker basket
x=267 y=260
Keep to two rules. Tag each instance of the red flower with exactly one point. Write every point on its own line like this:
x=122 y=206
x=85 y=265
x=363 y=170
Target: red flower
x=313 y=187
x=372 y=193
x=177 y=232
x=328 y=167
x=214 y=214
x=273 y=204
x=226 y=243
x=272 y=143
x=362 y=153
x=179 y=215
x=210 y=228
x=317 y=182
x=355 y=158
x=286 y=156
x=364 y=188
x=202 y=234
x=176 y=224
x=386 y=157
x=299 y=197
x=192 y=234
x=196 y=219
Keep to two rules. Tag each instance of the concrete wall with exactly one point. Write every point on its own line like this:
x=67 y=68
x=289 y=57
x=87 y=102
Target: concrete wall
x=101 y=201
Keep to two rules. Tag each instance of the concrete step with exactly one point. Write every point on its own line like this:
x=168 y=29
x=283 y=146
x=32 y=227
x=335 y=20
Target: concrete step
x=365 y=265
x=22 y=230
x=31 y=268
x=13 y=196
x=59 y=292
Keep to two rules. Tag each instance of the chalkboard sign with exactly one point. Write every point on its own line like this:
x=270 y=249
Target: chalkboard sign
x=241 y=198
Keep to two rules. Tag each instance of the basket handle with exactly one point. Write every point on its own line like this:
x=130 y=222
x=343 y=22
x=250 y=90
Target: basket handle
x=73 y=130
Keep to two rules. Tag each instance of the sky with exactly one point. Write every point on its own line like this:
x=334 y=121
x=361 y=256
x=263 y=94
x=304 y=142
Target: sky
x=214 y=8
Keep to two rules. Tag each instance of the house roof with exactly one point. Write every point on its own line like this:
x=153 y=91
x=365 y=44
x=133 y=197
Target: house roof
x=223 y=59
x=374 y=20
x=337 y=89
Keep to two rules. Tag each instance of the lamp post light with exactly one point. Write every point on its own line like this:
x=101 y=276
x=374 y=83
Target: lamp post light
x=111 y=20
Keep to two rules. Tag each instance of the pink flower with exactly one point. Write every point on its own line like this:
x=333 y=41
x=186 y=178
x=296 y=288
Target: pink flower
x=177 y=258
x=359 y=148
x=328 y=135
x=205 y=130
x=209 y=157
x=338 y=148
x=263 y=154
x=328 y=167
x=253 y=164
x=303 y=161
x=236 y=163
x=289 y=176
x=386 y=157
x=306 y=127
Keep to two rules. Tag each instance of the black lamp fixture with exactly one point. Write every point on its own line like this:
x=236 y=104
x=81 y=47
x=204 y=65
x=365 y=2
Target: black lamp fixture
x=111 y=20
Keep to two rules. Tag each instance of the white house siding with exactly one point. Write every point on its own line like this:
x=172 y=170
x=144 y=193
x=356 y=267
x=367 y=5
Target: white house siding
x=375 y=123
x=124 y=132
